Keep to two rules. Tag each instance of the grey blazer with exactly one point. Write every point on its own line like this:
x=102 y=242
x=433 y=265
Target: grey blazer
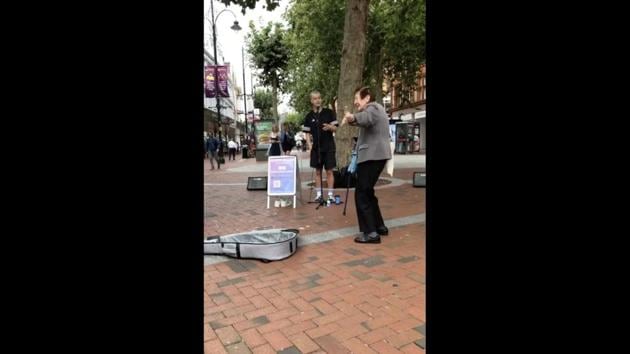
x=373 y=141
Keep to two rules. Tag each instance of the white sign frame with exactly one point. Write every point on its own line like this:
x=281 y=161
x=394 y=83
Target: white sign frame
x=281 y=169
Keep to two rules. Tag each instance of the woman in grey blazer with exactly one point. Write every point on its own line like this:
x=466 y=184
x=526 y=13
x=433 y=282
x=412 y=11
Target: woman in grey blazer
x=373 y=152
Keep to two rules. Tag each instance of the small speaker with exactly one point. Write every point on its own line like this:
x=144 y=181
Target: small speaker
x=257 y=183
x=419 y=179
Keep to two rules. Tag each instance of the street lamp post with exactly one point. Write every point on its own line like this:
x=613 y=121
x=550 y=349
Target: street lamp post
x=235 y=27
x=251 y=82
x=244 y=89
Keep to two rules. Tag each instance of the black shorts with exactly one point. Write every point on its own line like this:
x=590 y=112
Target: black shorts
x=328 y=159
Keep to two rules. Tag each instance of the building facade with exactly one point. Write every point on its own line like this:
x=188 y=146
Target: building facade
x=408 y=109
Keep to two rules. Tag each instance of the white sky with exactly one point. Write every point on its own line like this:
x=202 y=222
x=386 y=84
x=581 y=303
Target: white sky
x=230 y=42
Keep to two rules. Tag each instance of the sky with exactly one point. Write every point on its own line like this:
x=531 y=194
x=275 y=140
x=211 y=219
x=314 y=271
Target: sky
x=230 y=42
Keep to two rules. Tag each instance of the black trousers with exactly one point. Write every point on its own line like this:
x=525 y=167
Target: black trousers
x=368 y=211
x=232 y=154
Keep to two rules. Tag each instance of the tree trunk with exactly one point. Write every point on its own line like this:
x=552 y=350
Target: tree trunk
x=351 y=73
x=274 y=98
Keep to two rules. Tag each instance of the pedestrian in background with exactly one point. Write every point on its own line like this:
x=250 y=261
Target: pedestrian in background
x=205 y=145
x=274 y=137
x=232 y=149
x=213 y=150
x=286 y=139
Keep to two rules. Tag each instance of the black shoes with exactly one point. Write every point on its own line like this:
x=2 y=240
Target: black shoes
x=372 y=237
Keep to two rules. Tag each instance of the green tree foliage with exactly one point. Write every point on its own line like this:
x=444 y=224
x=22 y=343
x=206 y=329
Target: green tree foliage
x=396 y=43
x=263 y=100
x=314 y=38
x=269 y=53
x=270 y=5
x=295 y=121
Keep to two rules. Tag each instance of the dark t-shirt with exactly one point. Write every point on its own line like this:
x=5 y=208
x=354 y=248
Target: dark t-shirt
x=314 y=121
x=212 y=144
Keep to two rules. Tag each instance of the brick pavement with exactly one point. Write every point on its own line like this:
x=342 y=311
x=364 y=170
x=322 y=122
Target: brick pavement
x=232 y=208
x=335 y=296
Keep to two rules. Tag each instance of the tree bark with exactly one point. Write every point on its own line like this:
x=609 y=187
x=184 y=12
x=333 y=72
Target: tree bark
x=351 y=73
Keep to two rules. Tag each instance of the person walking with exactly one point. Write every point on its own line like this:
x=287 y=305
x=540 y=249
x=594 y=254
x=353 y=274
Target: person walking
x=232 y=149
x=213 y=149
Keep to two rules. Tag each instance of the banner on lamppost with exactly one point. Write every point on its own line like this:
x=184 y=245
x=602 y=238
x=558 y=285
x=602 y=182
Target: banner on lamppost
x=223 y=73
x=209 y=83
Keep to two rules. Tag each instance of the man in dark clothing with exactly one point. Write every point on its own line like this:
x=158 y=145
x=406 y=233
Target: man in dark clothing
x=320 y=124
x=205 y=145
x=213 y=147
x=286 y=140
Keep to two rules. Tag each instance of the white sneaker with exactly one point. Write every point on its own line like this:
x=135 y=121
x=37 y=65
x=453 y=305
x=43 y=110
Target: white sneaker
x=283 y=203
x=276 y=204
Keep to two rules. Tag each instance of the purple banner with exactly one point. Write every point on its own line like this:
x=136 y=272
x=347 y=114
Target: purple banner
x=208 y=81
x=223 y=72
x=209 y=84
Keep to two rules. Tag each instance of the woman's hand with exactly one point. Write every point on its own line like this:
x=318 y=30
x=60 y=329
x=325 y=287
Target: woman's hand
x=347 y=118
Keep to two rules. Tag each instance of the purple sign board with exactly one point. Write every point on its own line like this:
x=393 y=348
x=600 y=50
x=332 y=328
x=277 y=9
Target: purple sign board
x=281 y=175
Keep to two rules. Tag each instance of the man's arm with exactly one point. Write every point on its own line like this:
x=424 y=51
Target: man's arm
x=332 y=126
